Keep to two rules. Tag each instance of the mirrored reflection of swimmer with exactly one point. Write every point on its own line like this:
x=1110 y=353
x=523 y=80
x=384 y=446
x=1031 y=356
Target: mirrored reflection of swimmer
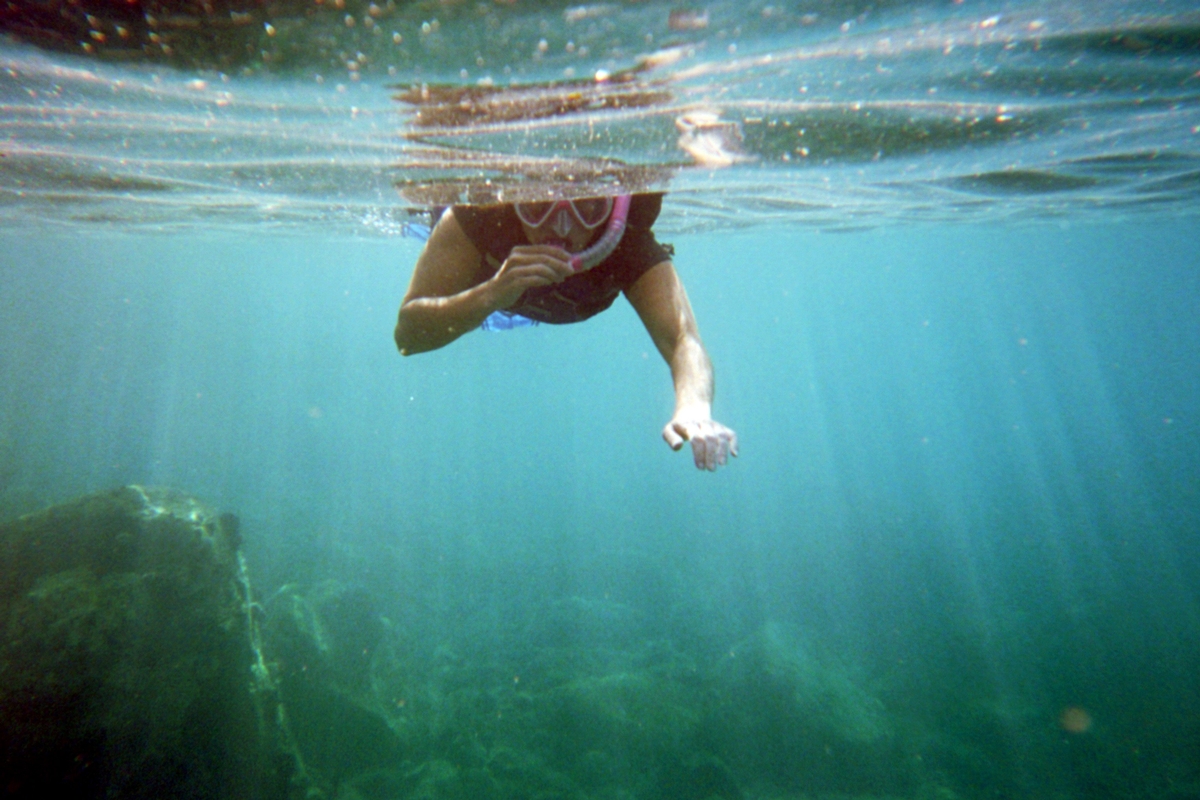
x=561 y=262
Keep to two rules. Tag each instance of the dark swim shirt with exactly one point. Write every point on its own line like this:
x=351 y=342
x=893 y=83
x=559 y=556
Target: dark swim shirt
x=495 y=231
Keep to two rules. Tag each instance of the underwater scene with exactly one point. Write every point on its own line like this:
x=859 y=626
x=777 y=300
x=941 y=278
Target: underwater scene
x=941 y=267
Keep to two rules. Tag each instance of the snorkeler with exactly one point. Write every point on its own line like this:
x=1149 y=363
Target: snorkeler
x=560 y=262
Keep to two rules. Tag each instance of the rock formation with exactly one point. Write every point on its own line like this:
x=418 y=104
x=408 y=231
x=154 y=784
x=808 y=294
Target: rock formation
x=129 y=663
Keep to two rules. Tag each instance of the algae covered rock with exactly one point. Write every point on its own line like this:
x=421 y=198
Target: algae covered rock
x=127 y=654
x=325 y=642
x=798 y=720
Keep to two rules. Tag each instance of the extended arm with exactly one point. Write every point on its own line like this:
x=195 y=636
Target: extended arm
x=448 y=297
x=660 y=300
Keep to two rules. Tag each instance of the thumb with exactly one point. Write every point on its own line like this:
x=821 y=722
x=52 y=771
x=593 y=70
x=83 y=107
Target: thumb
x=672 y=435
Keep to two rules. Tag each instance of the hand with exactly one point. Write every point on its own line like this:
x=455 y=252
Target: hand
x=528 y=266
x=712 y=442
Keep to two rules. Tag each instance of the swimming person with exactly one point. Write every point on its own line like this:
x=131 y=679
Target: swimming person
x=560 y=262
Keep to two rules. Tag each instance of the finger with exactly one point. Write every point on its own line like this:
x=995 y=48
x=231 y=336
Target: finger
x=555 y=256
x=541 y=249
x=672 y=437
x=525 y=262
x=698 y=452
x=712 y=446
x=539 y=253
x=554 y=270
x=728 y=444
x=708 y=436
x=722 y=449
x=528 y=278
x=562 y=271
x=703 y=436
x=541 y=273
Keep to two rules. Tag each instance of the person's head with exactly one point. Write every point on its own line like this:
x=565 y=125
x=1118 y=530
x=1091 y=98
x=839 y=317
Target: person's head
x=570 y=224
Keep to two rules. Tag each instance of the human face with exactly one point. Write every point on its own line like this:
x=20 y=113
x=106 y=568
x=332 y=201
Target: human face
x=590 y=212
x=567 y=223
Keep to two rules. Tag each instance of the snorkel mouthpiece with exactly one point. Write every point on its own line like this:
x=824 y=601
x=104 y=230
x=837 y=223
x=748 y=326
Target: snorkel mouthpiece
x=613 y=232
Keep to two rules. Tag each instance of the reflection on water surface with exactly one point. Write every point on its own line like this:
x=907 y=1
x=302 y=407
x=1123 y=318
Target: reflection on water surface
x=835 y=117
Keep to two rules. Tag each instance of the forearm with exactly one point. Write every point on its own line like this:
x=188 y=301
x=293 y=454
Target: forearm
x=692 y=375
x=427 y=323
x=661 y=302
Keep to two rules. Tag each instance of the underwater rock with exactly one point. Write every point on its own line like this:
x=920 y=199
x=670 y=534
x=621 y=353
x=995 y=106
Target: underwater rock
x=798 y=722
x=586 y=701
x=128 y=655
x=325 y=644
x=698 y=776
x=601 y=623
x=330 y=630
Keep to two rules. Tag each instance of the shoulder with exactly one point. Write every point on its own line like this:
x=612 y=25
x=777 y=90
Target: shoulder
x=660 y=300
x=644 y=210
x=493 y=228
x=449 y=263
x=639 y=250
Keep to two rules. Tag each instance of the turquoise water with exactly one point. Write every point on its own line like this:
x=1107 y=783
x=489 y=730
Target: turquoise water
x=968 y=474
x=958 y=555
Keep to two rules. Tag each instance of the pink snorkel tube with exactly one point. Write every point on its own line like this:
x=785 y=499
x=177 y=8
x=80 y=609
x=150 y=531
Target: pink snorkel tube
x=602 y=249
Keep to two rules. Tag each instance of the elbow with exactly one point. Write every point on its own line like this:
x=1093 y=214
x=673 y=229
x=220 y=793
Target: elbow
x=416 y=332
x=404 y=340
x=406 y=345
x=410 y=338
